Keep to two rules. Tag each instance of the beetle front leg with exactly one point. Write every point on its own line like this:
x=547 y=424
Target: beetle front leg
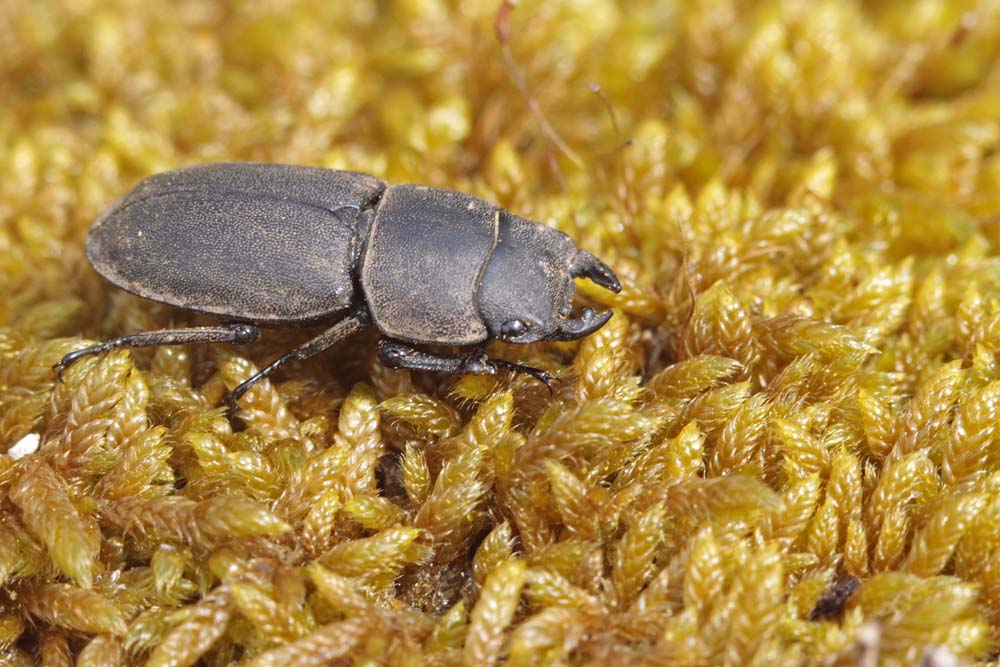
x=537 y=373
x=395 y=354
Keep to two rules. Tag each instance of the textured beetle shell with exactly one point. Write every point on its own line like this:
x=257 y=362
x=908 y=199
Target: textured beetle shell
x=260 y=242
x=423 y=263
x=527 y=275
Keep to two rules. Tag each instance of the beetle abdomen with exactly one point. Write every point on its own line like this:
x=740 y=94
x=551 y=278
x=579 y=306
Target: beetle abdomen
x=422 y=266
x=264 y=243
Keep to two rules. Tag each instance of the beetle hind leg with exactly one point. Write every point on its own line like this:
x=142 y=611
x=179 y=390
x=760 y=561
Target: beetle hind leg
x=238 y=333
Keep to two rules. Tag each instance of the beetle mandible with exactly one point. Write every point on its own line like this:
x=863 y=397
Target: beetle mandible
x=275 y=245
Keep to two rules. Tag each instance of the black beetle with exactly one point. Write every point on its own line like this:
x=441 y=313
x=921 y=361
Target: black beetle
x=281 y=245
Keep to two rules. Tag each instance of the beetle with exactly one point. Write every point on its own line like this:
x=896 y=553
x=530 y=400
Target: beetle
x=272 y=245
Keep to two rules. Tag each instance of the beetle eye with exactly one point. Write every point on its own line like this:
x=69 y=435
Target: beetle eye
x=513 y=328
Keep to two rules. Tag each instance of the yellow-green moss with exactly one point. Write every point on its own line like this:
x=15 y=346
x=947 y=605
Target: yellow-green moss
x=800 y=386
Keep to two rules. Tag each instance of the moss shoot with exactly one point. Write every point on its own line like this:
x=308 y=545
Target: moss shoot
x=784 y=449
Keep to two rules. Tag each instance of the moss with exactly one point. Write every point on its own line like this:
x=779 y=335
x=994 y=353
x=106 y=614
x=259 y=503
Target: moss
x=784 y=449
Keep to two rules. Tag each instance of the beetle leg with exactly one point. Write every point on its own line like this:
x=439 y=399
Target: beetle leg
x=237 y=333
x=395 y=354
x=329 y=337
x=537 y=373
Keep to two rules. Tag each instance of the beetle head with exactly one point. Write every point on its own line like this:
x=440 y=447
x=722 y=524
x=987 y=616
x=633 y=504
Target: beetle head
x=526 y=292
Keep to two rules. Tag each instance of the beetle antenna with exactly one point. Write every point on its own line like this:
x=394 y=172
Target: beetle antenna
x=502 y=29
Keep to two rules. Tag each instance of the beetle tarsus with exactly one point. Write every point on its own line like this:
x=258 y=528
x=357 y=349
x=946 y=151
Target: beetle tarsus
x=231 y=401
x=64 y=363
x=545 y=378
x=70 y=358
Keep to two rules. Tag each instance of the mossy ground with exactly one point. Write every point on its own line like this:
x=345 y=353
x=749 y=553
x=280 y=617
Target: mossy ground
x=800 y=389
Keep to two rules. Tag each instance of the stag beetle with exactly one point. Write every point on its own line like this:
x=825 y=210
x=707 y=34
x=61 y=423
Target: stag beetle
x=279 y=245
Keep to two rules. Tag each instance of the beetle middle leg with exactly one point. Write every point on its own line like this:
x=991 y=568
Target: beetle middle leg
x=341 y=330
x=238 y=333
x=396 y=354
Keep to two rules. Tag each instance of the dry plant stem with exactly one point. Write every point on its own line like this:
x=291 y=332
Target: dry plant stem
x=502 y=30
